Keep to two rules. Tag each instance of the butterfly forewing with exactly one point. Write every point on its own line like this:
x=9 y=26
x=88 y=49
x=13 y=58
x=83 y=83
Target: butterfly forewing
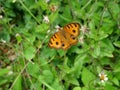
x=72 y=28
x=55 y=41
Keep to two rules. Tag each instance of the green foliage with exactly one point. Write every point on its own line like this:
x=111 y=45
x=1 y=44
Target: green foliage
x=18 y=84
x=26 y=61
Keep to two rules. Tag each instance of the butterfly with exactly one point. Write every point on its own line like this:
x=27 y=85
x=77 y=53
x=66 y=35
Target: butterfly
x=65 y=37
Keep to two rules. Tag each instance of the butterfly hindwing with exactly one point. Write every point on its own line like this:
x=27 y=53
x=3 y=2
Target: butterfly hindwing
x=71 y=39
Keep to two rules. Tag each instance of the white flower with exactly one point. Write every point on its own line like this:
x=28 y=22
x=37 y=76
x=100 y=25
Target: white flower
x=57 y=27
x=48 y=31
x=17 y=35
x=46 y=36
x=81 y=39
x=103 y=77
x=14 y=1
x=47 y=1
x=46 y=19
x=10 y=72
x=9 y=67
x=1 y=16
x=53 y=8
x=84 y=29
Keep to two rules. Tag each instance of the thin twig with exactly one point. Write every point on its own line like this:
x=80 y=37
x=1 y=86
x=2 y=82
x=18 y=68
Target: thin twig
x=28 y=11
x=86 y=4
x=18 y=76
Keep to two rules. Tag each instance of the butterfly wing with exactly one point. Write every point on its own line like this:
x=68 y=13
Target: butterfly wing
x=65 y=37
x=72 y=28
x=58 y=41
x=71 y=32
x=71 y=39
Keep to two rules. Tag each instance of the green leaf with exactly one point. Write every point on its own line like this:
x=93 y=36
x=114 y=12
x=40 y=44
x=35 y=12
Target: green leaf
x=53 y=17
x=87 y=77
x=61 y=52
x=30 y=38
x=85 y=88
x=3 y=81
x=74 y=81
x=5 y=36
x=4 y=71
x=66 y=16
x=19 y=38
x=48 y=76
x=116 y=81
x=117 y=66
x=102 y=34
x=42 y=28
x=110 y=87
x=117 y=75
x=77 y=88
x=114 y=9
x=42 y=4
x=29 y=52
x=106 y=48
x=96 y=52
x=117 y=44
x=105 y=61
x=41 y=80
x=57 y=85
x=33 y=69
x=78 y=65
x=46 y=53
x=18 y=84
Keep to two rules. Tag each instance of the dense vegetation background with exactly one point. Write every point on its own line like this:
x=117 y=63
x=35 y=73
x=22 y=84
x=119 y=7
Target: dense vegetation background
x=26 y=61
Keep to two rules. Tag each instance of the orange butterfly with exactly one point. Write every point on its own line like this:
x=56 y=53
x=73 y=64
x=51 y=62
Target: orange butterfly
x=65 y=37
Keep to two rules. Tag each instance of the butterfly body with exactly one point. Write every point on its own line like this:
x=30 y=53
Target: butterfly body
x=65 y=37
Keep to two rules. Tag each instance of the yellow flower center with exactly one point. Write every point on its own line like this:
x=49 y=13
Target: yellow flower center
x=102 y=77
